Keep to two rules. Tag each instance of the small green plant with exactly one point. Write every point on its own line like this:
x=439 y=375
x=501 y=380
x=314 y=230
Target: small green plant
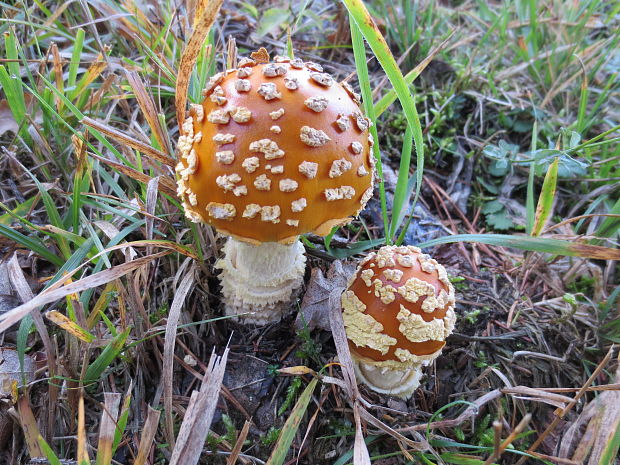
x=271 y=437
x=472 y=316
x=309 y=349
x=458 y=282
x=291 y=393
x=272 y=370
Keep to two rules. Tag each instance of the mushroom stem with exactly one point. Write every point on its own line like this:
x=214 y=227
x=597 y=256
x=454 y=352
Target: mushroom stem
x=261 y=279
x=398 y=383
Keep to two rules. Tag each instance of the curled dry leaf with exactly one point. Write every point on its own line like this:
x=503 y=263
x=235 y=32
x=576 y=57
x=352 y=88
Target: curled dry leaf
x=314 y=310
x=297 y=370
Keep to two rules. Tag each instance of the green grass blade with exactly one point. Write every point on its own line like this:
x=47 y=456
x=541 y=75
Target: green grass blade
x=529 y=200
x=121 y=423
x=380 y=48
x=535 y=244
x=78 y=45
x=53 y=214
x=610 y=225
x=14 y=96
x=401 y=191
x=16 y=213
x=610 y=453
x=107 y=356
x=30 y=243
x=51 y=457
x=359 y=52
x=547 y=196
x=292 y=425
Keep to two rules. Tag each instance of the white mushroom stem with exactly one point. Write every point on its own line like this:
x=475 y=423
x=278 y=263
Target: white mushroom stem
x=261 y=279
x=399 y=383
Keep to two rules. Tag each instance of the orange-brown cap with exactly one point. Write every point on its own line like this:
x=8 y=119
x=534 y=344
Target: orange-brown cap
x=275 y=150
x=398 y=307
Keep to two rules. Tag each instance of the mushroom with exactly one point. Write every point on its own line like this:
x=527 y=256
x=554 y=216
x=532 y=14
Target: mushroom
x=398 y=310
x=276 y=150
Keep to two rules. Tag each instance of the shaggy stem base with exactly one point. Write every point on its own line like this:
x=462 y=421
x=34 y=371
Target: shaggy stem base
x=261 y=279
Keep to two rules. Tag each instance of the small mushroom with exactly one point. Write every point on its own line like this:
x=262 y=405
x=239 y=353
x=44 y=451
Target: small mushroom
x=398 y=310
x=266 y=179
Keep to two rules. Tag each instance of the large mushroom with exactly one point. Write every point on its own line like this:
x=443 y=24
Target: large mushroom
x=276 y=150
x=398 y=310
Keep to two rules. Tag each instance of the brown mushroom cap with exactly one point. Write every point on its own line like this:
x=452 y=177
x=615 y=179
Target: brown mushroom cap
x=398 y=307
x=275 y=150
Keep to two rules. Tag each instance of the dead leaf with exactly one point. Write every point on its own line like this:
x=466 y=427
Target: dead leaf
x=10 y=371
x=314 y=310
x=7 y=121
x=602 y=417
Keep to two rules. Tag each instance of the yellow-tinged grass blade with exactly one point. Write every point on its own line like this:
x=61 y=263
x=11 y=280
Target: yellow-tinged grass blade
x=297 y=370
x=166 y=184
x=202 y=25
x=102 y=303
x=147 y=105
x=72 y=328
x=148 y=434
x=292 y=425
x=82 y=450
x=547 y=196
x=109 y=415
x=140 y=146
x=30 y=427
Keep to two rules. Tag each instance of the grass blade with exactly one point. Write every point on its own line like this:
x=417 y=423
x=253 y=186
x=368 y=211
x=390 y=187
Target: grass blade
x=30 y=243
x=359 y=53
x=292 y=425
x=49 y=454
x=380 y=48
x=535 y=244
x=529 y=200
x=13 y=316
x=106 y=357
x=107 y=428
x=547 y=196
x=401 y=191
x=78 y=43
